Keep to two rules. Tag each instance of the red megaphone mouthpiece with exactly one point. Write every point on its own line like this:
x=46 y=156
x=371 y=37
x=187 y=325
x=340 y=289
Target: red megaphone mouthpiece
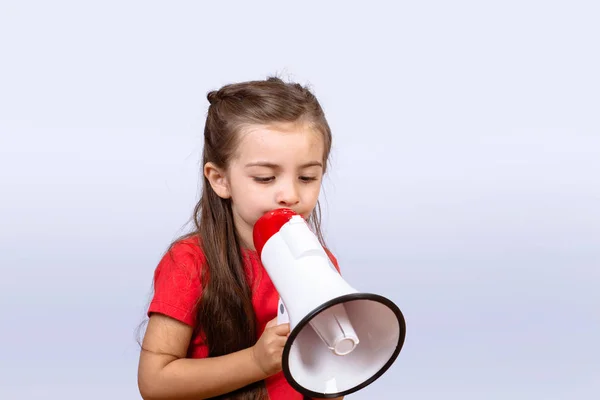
x=268 y=225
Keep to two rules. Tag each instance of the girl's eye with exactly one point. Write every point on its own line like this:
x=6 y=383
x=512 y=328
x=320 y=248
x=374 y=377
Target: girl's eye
x=308 y=178
x=263 y=180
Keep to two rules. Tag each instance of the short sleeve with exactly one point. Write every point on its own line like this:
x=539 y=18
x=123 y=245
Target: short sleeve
x=177 y=283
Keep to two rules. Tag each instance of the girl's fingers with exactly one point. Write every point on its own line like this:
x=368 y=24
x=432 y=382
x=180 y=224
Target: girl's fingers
x=283 y=329
x=271 y=323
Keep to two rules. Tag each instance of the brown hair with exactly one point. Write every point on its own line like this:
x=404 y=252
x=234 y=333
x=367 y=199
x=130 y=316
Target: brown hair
x=226 y=315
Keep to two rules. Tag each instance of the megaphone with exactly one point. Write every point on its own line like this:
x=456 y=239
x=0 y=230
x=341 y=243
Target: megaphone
x=341 y=340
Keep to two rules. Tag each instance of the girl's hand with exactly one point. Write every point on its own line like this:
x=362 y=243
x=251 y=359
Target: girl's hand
x=268 y=350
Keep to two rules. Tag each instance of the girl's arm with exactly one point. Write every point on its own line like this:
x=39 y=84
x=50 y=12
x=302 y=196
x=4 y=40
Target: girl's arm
x=165 y=373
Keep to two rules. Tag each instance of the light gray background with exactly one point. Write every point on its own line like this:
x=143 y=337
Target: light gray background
x=465 y=183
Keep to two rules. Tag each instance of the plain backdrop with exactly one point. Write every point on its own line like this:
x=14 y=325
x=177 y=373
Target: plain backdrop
x=465 y=180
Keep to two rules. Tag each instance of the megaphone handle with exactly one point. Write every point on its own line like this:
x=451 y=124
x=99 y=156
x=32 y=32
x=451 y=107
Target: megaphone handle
x=282 y=314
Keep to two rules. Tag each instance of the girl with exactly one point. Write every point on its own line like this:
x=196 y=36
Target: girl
x=212 y=328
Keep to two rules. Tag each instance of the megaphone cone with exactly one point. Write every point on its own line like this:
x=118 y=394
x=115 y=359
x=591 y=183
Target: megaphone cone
x=341 y=340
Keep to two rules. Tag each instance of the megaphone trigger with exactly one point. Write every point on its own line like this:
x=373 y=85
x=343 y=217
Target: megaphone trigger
x=282 y=315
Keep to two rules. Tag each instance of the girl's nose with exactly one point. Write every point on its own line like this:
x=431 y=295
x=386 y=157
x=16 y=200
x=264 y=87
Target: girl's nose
x=288 y=196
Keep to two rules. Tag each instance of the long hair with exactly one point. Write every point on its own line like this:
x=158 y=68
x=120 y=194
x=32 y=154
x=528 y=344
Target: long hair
x=225 y=315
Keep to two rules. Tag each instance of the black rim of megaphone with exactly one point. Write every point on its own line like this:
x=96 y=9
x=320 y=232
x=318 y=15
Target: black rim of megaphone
x=343 y=299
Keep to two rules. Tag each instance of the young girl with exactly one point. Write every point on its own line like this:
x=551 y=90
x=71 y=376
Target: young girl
x=212 y=328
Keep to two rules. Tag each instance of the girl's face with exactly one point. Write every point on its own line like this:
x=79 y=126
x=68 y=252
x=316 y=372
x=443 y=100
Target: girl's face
x=273 y=167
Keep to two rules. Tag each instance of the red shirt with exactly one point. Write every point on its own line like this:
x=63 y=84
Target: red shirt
x=177 y=288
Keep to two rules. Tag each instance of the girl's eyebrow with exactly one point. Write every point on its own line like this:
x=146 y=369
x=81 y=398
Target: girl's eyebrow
x=275 y=166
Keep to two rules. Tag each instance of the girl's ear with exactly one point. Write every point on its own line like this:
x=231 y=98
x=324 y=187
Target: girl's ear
x=217 y=179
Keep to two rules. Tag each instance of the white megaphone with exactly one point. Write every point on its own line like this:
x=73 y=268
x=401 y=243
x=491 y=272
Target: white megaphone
x=340 y=340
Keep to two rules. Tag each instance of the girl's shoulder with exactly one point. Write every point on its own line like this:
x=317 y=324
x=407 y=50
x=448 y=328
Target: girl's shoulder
x=182 y=262
x=186 y=247
x=178 y=280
